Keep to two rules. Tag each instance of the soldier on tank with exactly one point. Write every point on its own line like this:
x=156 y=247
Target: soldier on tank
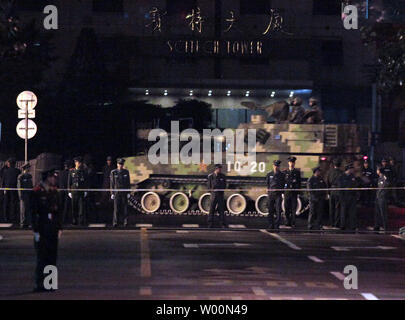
x=316 y=199
x=46 y=224
x=216 y=184
x=315 y=114
x=25 y=182
x=10 y=201
x=77 y=180
x=119 y=179
x=292 y=181
x=298 y=112
x=332 y=181
x=381 y=207
x=348 y=199
x=64 y=200
x=275 y=180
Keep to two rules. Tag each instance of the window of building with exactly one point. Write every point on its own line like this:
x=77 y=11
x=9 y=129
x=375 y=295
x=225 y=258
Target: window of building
x=31 y=5
x=327 y=7
x=332 y=53
x=108 y=5
x=180 y=7
x=254 y=7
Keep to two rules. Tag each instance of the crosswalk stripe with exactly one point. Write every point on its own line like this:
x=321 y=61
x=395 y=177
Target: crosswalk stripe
x=315 y=259
x=237 y=226
x=144 y=225
x=258 y=291
x=6 y=225
x=191 y=225
x=338 y=275
x=99 y=225
x=369 y=296
x=182 y=231
x=145 y=291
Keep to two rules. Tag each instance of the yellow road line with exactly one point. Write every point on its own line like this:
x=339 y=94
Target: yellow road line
x=146 y=271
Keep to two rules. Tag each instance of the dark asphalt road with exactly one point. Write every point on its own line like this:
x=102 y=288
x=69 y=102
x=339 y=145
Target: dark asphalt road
x=208 y=264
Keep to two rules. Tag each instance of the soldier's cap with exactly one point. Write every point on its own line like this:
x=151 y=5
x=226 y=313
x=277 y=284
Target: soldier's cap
x=298 y=101
x=292 y=159
x=67 y=162
x=337 y=162
x=349 y=166
x=48 y=173
x=313 y=99
x=316 y=169
x=384 y=160
x=11 y=160
x=120 y=161
x=26 y=166
x=391 y=158
x=218 y=166
x=78 y=159
x=109 y=158
x=277 y=163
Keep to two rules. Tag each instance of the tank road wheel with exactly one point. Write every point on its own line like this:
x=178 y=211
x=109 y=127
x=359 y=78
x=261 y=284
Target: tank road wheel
x=261 y=205
x=236 y=203
x=150 y=202
x=179 y=202
x=299 y=206
x=204 y=203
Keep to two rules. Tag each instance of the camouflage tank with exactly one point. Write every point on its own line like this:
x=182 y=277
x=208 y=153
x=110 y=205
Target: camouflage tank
x=181 y=188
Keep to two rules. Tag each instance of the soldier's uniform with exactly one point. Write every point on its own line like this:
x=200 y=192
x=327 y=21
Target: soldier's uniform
x=292 y=181
x=332 y=181
x=381 y=203
x=348 y=198
x=90 y=200
x=10 y=200
x=64 y=200
x=369 y=179
x=46 y=224
x=316 y=200
x=78 y=180
x=216 y=182
x=25 y=182
x=119 y=179
x=298 y=112
x=106 y=180
x=275 y=180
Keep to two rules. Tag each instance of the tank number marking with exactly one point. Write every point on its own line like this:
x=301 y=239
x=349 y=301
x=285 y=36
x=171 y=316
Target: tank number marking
x=253 y=166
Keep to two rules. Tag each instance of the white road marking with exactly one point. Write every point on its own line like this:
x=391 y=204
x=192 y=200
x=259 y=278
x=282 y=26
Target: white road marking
x=359 y=248
x=383 y=258
x=237 y=226
x=210 y=245
x=315 y=259
x=144 y=225
x=369 y=296
x=6 y=225
x=191 y=226
x=145 y=291
x=276 y=236
x=340 y=276
x=100 y=225
x=146 y=270
x=1 y=238
x=398 y=237
x=258 y=291
x=236 y=298
x=182 y=231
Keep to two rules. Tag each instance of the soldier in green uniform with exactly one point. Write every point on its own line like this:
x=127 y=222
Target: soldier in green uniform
x=316 y=199
x=334 y=200
x=275 y=180
x=78 y=180
x=119 y=179
x=292 y=181
x=348 y=199
x=381 y=201
x=216 y=184
x=24 y=181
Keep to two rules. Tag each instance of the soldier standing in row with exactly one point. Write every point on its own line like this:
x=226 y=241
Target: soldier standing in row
x=369 y=178
x=216 y=184
x=10 y=201
x=292 y=181
x=65 y=203
x=78 y=180
x=119 y=179
x=316 y=199
x=396 y=174
x=46 y=224
x=332 y=181
x=90 y=201
x=25 y=182
x=381 y=201
x=275 y=180
x=348 y=199
x=109 y=166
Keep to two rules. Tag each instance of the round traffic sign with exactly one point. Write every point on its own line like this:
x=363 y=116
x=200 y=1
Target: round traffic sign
x=32 y=129
x=27 y=99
